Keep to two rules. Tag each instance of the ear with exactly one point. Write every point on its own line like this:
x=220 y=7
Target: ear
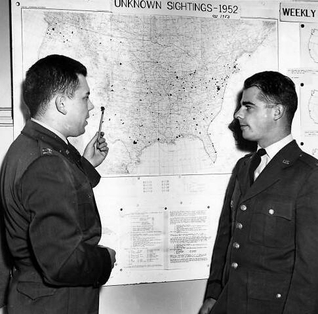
x=279 y=111
x=60 y=104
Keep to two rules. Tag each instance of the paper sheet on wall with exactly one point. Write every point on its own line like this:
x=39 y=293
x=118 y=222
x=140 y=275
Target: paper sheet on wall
x=306 y=78
x=163 y=228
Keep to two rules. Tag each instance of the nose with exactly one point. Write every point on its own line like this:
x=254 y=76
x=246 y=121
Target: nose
x=90 y=105
x=238 y=114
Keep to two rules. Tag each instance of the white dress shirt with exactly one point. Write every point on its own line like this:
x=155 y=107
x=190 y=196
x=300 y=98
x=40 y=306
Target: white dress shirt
x=271 y=151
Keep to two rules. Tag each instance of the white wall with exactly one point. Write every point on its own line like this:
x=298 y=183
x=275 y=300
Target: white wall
x=6 y=133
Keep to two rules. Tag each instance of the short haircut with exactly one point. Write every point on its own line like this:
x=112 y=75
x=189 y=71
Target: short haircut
x=49 y=76
x=275 y=88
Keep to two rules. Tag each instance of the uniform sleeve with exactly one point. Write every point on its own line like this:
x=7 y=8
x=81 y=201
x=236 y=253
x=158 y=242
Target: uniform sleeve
x=214 y=284
x=302 y=295
x=90 y=171
x=64 y=228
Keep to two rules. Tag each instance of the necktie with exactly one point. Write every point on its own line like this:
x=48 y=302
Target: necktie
x=256 y=160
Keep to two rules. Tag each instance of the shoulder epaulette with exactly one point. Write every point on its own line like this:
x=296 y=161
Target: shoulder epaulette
x=309 y=160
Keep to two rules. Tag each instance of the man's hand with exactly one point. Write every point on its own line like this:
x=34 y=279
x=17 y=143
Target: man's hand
x=96 y=150
x=207 y=306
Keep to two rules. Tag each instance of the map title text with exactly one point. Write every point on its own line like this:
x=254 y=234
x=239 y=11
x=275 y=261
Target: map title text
x=215 y=9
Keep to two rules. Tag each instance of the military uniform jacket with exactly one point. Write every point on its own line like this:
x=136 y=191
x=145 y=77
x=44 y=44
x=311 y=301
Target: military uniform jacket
x=265 y=257
x=4 y=264
x=52 y=226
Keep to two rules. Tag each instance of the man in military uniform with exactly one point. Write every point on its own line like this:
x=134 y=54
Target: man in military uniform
x=266 y=250
x=52 y=224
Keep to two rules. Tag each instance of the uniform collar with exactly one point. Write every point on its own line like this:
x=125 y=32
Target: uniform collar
x=39 y=132
x=59 y=134
x=51 y=140
x=273 y=149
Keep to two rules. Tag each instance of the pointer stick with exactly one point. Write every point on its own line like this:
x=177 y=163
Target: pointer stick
x=100 y=123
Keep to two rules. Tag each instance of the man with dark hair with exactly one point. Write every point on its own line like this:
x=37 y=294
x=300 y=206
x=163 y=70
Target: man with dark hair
x=266 y=250
x=51 y=220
